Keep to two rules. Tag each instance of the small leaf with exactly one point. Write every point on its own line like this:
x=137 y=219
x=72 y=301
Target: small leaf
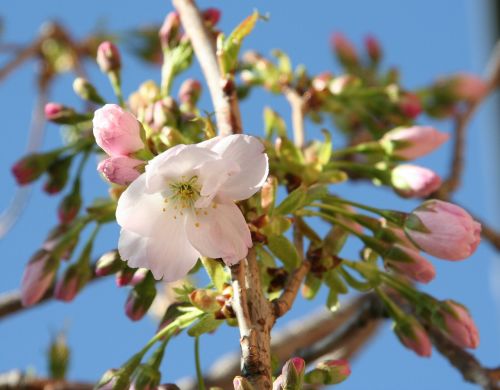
x=294 y=201
x=273 y=124
x=207 y=323
x=311 y=286
x=325 y=150
x=284 y=250
x=332 y=301
x=265 y=257
x=215 y=271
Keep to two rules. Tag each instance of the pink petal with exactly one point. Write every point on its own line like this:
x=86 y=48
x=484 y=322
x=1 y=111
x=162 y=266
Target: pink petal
x=220 y=231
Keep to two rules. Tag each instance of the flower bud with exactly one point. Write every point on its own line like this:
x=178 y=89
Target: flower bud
x=125 y=276
x=58 y=175
x=74 y=278
x=117 y=131
x=189 y=92
x=108 y=57
x=443 y=230
x=268 y=194
x=205 y=300
x=140 y=298
x=86 y=91
x=413 y=336
x=147 y=378
x=410 y=263
x=321 y=81
x=32 y=166
x=293 y=374
x=344 y=49
x=120 y=169
x=169 y=31
x=58 y=113
x=340 y=84
x=109 y=263
x=409 y=143
x=468 y=87
x=211 y=16
x=460 y=327
x=329 y=372
x=38 y=276
x=164 y=112
x=70 y=205
x=410 y=105
x=58 y=358
x=412 y=181
x=373 y=49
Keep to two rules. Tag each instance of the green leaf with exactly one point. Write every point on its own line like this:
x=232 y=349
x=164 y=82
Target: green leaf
x=207 y=323
x=215 y=271
x=229 y=48
x=354 y=283
x=265 y=257
x=311 y=286
x=284 y=250
x=332 y=301
x=294 y=201
x=273 y=124
x=325 y=150
x=333 y=280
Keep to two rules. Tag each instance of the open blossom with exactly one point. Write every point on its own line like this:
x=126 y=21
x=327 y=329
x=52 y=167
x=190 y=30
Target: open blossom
x=413 y=142
x=183 y=206
x=460 y=327
x=412 y=181
x=117 y=131
x=443 y=230
x=120 y=169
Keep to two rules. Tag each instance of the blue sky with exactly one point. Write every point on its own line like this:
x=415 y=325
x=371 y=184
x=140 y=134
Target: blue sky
x=424 y=39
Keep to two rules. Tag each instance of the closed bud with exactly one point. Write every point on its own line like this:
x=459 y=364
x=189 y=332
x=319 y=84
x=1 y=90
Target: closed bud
x=268 y=194
x=147 y=378
x=38 y=276
x=59 y=355
x=413 y=181
x=109 y=263
x=459 y=325
x=121 y=170
x=345 y=50
x=32 y=166
x=205 y=300
x=413 y=336
x=164 y=112
x=140 y=298
x=125 y=276
x=107 y=380
x=72 y=281
x=241 y=383
x=190 y=92
x=373 y=49
x=410 y=263
x=87 y=91
x=410 y=105
x=293 y=374
x=70 y=205
x=338 y=370
x=468 y=87
x=58 y=175
x=169 y=31
x=340 y=84
x=60 y=114
x=108 y=57
x=211 y=16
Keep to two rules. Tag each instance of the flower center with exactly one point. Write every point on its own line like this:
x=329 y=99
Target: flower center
x=185 y=193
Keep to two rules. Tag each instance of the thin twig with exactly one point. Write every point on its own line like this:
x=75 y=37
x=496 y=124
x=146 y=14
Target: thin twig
x=226 y=111
x=297 y=105
x=20 y=57
x=284 y=303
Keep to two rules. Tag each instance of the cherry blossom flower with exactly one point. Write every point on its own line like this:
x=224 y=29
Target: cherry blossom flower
x=183 y=207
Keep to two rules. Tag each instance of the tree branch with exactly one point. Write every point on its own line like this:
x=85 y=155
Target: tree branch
x=15 y=380
x=223 y=98
x=284 y=303
x=297 y=105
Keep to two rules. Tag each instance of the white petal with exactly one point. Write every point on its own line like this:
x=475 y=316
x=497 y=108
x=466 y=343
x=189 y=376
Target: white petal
x=178 y=161
x=220 y=232
x=139 y=211
x=168 y=254
x=248 y=153
x=213 y=174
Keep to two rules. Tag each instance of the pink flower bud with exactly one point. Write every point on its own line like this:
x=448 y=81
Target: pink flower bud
x=415 y=338
x=412 y=142
x=108 y=57
x=410 y=105
x=70 y=206
x=124 y=276
x=338 y=370
x=109 y=263
x=460 y=327
x=469 y=87
x=321 y=81
x=443 y=230
x=31 y=167
x=299 y=364
x=412 y=181
x=53 y=110
x=190 y=91
x=140 y=298
x=345 y=50
x=120 y=170
x=211 y=16
x=169 y=31
x=410 y=263
x=74 y=278
x=373 y=48
x=38 y=276
x=117 y=131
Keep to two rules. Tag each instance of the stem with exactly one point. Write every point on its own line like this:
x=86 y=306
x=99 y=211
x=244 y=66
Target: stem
x=167 y=75
x=199 y=373
x=396 y=217
x=297 y=104
x=114 y=78
x=368 y=147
